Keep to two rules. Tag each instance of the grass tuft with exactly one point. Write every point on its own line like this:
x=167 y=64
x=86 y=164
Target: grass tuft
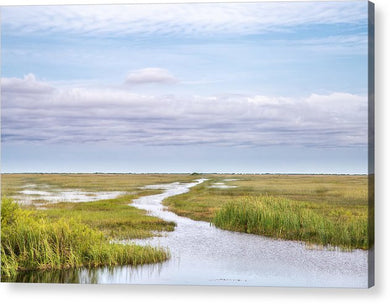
x=292 y=220
x=319 y=209
x=29 y=242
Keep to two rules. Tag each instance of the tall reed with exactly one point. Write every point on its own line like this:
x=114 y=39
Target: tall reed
x=287 y=219
x=31 y=243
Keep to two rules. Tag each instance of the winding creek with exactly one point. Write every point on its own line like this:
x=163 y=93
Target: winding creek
x=204 y=255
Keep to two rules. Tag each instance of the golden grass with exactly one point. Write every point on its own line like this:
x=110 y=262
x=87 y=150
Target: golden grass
x=11 y=183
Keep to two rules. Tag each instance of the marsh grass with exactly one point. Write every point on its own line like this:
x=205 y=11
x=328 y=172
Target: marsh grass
x=115 y=218
x=291 y=220
x=68 y=235
x=31 y=242
x=12 y=183
x=319 y=209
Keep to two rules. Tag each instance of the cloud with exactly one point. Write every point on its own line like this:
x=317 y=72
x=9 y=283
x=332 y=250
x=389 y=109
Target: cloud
x=149 y=75
x=179 y=19
x=27 y=85
x=34 y=111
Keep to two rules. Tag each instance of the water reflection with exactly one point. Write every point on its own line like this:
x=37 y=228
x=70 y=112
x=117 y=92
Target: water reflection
x=117 y=274
x=52 y=276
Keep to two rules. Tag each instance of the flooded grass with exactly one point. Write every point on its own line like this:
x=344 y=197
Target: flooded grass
x=31 y=242
x=11 y=184
x=29 y=196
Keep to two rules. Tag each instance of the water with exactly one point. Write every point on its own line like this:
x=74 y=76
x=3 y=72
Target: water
x=44 y=193
x=205 y=255
x=221 y=186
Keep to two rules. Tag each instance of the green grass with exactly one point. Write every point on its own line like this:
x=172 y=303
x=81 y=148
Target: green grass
x=330 y=209
x=113 y=217
x=319 y=209
x=292 y=220
x=68 y=235
x=31 y=242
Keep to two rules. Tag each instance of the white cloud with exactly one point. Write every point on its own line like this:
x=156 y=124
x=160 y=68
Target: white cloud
x=27 y=85
x=119 y=116
x=150 y=75
x=183 y=19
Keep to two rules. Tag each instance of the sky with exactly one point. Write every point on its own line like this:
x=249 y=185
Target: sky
x=224 y=87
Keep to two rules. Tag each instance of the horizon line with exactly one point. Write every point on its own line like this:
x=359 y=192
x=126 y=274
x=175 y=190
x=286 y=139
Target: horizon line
x=193 y=173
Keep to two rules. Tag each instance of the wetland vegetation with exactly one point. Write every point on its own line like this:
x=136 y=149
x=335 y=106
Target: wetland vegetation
x=68 y=235
x=319 y=209
x=329 y=210
x=30 y=241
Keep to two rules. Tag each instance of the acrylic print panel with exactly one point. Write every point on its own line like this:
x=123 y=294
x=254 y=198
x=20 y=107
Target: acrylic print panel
x=197 y=144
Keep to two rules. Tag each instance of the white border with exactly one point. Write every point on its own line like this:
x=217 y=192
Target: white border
x=64 y=293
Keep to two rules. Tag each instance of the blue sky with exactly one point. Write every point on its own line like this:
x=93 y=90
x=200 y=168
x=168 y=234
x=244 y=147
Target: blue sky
x=255 y=87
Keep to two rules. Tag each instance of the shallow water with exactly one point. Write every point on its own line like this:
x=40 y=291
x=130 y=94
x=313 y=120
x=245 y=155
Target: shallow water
x=205 y=255
x=32 y=193
x=223 y=185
